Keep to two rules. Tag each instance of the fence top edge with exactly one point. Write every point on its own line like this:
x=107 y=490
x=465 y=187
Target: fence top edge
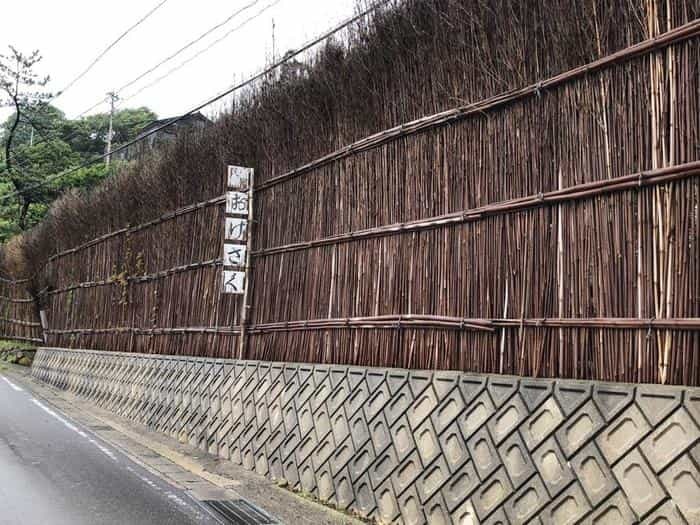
x=675 y=35
x=678 y=34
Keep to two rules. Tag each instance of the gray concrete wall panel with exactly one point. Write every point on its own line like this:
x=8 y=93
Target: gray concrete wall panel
x=417 y=447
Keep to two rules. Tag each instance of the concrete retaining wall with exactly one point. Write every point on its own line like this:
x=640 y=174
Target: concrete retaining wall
x=418 y=447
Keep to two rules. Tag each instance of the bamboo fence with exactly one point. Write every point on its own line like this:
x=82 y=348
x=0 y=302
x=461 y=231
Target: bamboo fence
x=550 y=230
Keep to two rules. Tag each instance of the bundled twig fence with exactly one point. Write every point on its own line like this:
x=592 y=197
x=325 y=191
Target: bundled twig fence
x=19 y=319
x=551 y=230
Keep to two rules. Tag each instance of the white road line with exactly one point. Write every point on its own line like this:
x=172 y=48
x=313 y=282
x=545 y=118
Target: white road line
x=14 y=387
x=170 y=495
x=75 y=429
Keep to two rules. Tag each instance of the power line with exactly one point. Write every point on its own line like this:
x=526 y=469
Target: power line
x=94 y=63
x=107 y=49
x=175 y=54
x=217 y=26
x=201 y=52
x=262 y=74
x=188 y=45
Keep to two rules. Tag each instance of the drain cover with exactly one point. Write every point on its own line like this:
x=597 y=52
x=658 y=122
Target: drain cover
x=240 y=512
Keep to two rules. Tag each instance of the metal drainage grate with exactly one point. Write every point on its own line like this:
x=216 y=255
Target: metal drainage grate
x=240 y=512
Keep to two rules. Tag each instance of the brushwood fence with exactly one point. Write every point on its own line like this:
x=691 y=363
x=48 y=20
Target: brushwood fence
x=19 y=319
x=549 y=231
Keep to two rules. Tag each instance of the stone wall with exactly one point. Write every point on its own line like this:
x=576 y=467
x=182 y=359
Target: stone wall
x=418 y=446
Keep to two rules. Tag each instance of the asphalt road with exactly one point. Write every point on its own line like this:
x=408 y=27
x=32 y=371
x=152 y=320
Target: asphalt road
x=54 y=471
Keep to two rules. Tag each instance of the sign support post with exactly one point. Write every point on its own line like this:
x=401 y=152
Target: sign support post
x=238 y=243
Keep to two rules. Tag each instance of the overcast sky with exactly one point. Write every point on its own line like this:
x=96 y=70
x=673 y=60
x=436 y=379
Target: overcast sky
x=71 y=33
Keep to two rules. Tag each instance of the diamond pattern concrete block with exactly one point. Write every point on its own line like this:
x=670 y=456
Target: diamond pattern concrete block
x=324 y=483
x=516 y=459
x=483 y=453
x=492 y=493
x=436 y=512
x=365 y=501
x=614 y=511
x=291 y=473
x=460 y=485
x=507 y=419
x=497 y=518
x=359 y=432
x=337 y=374
x=639 y=483
x=323 y=388
x=344 y=494
x=448 y=410
x=541 y=423
x=476 y=415
x=323 y=452
x=471 y=386
x=432 y=479
x=322 y=423
x=275 y=466
x=382 y=467
x=552 y=466
x=396 y=379
x=305 y=419
x=444 y=383
x=527 y=501
x=419 y=381
x=387 y=505
x=427 y=442
x=307 y=477
x=411 y=508
x=593 y=473
x=380 y=434
x=578 y=429
x=337 y=398
x=361 y=461
x=465 y=514
x=354 y=436
x=340 y=426
x=454 y=447
x=682 y=481
x=612 y=399
x=403 y=439
x=568 y=508
x=422 y=407
x=622 y=434
x=290 y=444
x=535 y=391
x=655 y=404
x=671 y=438
x=501 y=389
x=378 y=399
x=341 y=456
x=407 y=472
x=667 y=514
x=398 y=404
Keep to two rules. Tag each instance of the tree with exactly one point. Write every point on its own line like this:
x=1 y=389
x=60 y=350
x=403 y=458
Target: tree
x=89 y=135
x=19 y=83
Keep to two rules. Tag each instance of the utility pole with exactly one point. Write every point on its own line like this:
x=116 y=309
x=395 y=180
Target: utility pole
x=274 y=43
x=108 y=152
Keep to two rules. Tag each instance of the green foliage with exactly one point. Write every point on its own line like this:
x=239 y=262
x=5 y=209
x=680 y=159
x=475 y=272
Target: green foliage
x=56 y=146
x=15 y=345
x=89 y=135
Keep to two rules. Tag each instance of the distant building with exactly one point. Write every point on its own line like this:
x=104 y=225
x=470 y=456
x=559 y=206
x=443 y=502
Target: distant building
x=146 y=143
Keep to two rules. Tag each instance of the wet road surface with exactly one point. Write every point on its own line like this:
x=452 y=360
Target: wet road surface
x=55 y=471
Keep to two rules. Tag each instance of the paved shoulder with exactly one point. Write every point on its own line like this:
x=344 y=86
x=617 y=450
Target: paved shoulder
x=54 y=470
